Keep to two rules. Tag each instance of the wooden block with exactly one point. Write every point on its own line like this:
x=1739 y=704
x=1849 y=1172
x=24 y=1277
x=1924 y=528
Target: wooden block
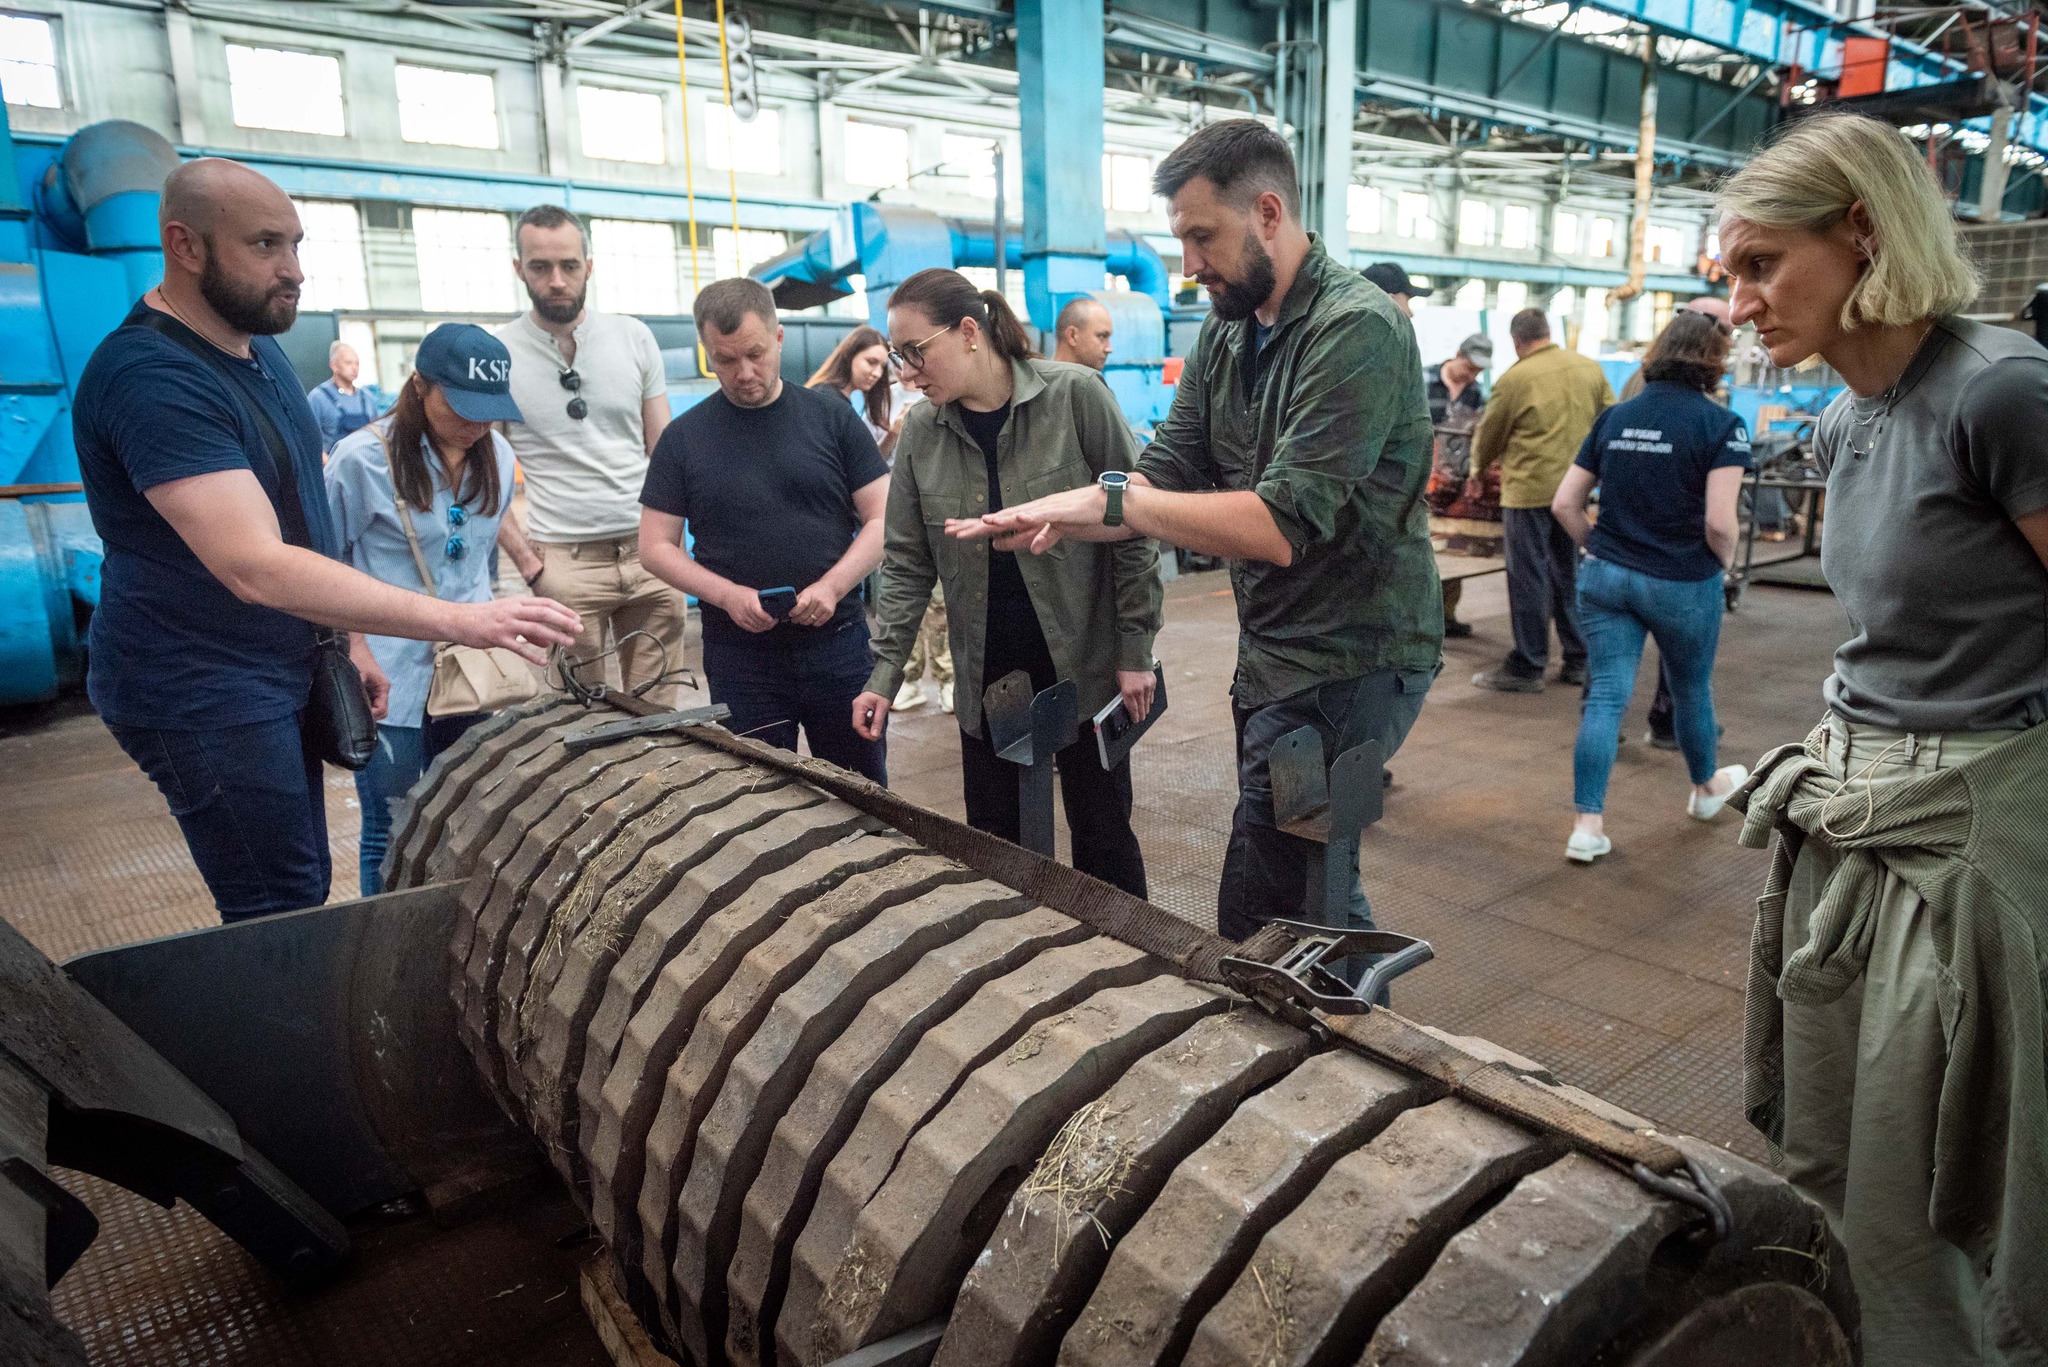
x=828 y=1095
x=1325 y=1276
x=915 y=1240
x=1195 y=1238
x=621 y=1334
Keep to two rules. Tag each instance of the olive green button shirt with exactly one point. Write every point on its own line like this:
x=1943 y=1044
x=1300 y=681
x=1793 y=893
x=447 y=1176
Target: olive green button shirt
x=1098 y=603
x=1538 y=416
x=1330 y=426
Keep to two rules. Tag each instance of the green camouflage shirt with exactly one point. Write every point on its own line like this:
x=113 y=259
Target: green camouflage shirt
x=1330 y=426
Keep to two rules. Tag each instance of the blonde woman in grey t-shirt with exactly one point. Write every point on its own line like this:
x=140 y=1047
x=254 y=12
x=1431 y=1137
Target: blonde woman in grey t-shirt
x=1870 y=994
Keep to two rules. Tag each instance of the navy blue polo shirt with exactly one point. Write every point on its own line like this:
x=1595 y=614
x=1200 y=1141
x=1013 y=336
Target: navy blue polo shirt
x=170 y=646
x=1651 y=456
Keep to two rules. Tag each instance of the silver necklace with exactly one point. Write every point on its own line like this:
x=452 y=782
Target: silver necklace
x=1874 y=421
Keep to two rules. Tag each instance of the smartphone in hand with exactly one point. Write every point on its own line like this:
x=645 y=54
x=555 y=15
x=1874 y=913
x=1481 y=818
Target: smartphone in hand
x=778 y=603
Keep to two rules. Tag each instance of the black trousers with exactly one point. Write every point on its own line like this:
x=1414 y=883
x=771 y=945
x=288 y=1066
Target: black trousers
x=1543 y=567
x=1097 y=800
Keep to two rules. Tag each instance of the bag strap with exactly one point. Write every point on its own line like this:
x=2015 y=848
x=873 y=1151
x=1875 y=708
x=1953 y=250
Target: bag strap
x=405 y=520
x=291 y=510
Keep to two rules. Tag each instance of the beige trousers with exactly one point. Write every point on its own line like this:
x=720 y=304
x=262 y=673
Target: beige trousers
x=931 y=656
x=1862 y=1082
x=617 y=597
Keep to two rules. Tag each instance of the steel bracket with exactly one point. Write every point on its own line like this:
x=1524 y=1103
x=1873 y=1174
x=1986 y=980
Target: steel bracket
x=1331 y=806
x=1028 y=730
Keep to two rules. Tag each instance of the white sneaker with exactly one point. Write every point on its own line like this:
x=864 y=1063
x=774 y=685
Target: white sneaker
x=1583 y=848
x=1707 y=808
x=907 y=697
x=946 y=699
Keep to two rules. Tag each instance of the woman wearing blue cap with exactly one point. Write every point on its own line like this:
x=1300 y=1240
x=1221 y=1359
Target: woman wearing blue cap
x=433 y=461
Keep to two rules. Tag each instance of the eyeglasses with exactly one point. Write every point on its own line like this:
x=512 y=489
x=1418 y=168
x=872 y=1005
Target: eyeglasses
x=458 y=516
x=571 y=381
x=911 y=354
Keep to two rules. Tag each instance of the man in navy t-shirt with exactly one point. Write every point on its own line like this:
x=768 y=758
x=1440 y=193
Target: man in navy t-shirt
x=779 y=487
x=201 y=648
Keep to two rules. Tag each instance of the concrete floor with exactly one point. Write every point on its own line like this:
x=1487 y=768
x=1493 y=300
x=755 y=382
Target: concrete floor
x=1626 y=977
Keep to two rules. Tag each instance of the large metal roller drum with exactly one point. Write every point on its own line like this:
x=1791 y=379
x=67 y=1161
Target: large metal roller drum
x=821 y=1086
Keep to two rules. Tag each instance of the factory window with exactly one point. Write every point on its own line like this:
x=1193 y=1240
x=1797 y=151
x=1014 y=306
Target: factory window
x=449 y=108
x=1470 y=295
x=465 y=261
x=332 y=256
x=1593 y=331
x=753 y=247
x=1126 y=182
x=1515 y=230
x=1564 y=234
x=1600 y=242
x=1511 y=298
x=1361 y=208
x=292 y=92
x=732 y=144
x=28 y=62
x=1412 y=215
x=621 y=125
x=1475 y=223
x=635 y=266
x=876 y=154
x=1420 y=301
x=1565 y=302
x=1665 y=243
x=969 y=164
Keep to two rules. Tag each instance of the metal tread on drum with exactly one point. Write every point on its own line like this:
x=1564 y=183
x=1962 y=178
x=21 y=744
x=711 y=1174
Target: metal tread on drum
x=844 y=1082
x=866 y=1108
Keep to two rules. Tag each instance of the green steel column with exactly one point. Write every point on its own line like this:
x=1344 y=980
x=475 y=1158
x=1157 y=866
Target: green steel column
x=1060 y=79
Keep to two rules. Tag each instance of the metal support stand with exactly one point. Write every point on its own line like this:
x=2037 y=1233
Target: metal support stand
x=1028 y=731
x=1332 y=806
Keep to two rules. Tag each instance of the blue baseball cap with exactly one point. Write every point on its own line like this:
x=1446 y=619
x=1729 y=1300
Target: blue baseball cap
x=473 y=370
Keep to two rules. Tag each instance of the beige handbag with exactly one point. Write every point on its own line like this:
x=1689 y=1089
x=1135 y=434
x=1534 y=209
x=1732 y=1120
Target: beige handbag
x=469 y=678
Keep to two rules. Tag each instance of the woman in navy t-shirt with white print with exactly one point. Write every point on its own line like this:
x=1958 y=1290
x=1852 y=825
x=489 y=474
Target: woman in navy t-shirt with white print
x=1669 y=465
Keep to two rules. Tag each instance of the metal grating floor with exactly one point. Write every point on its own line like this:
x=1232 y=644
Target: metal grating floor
x=1625 y=977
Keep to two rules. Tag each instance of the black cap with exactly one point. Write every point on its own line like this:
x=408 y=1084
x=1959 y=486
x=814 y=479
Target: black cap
x=1393 y=279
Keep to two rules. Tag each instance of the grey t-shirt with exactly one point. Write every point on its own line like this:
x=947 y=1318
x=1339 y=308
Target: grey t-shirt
x=1948 y=601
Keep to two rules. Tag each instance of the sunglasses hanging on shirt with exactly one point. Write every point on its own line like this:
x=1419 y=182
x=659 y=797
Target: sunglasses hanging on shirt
x=458 y=517
x=571 y=381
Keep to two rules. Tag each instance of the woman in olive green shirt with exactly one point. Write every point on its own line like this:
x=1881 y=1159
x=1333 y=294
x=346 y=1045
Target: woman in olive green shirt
x=1003 y=425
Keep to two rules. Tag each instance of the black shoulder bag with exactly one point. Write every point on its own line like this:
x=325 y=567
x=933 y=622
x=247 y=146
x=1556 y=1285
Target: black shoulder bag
x=338 y=727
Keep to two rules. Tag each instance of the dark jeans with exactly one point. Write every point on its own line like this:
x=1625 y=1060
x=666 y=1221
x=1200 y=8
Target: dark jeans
x=1097 y=801
x=1542 y=587
x=403 y=754
x=1266 y=871
x=1621 y=608
x=781 y=680
x=249 y=801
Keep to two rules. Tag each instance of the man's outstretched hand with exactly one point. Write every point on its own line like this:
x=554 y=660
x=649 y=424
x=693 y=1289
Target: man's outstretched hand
x=1038 y=526
x=526 y=625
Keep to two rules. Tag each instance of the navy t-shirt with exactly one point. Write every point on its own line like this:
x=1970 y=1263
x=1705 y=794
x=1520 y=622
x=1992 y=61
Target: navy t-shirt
x=170 y=646
x=768 y=493
x=1651 y=456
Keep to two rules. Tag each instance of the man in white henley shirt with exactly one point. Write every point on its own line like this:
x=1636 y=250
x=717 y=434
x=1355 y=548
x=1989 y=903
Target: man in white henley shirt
x=595 y=398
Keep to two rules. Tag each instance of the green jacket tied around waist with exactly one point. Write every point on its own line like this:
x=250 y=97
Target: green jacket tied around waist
x=1972 y=841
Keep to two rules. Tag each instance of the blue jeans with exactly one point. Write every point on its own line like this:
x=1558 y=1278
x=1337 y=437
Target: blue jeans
x=790 y=678
x=1617 y=608
x=249 y=801
x=403 y=754
x=1266 y=871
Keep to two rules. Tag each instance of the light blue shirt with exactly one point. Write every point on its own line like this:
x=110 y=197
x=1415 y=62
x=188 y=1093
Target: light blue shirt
x=340 y=414
x=373 y=540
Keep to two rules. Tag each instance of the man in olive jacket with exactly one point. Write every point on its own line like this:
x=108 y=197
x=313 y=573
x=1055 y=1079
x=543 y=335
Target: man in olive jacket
x=1298 y=446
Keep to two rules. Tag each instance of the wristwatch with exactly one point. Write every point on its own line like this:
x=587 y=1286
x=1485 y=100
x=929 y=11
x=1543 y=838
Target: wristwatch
x=1113 y=483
